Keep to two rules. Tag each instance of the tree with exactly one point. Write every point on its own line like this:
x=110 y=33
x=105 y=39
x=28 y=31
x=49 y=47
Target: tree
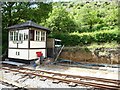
x=17 y=12
x=40 y=13
x=89 y=16
x=60 y=21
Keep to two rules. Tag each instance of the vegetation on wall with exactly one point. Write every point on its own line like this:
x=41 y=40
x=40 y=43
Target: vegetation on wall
x=75 y=23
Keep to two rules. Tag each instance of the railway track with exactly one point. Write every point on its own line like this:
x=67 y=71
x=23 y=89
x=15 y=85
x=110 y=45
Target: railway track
x=66 y=78
x=15 y=87
x=8 y=84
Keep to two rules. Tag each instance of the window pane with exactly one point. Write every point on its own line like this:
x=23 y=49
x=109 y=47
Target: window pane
x=42 y=39
x=37 y=35
x=11 y=36
x=15 y=36
x=42 y=33
x=32 y=35
x=42 y=36
x=25 y=36
x=20 y=37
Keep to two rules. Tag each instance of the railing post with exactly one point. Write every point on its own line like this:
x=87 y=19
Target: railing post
x=59 y=53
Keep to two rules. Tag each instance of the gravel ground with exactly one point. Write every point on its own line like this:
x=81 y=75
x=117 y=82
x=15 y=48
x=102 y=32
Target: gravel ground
x=83 y=71
x=3 y=86
x=27 y=82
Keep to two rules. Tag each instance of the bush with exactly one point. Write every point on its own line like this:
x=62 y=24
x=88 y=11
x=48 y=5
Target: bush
x=74 y=39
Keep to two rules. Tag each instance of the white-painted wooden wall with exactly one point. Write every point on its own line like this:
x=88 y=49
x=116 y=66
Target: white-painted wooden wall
x=24 y=52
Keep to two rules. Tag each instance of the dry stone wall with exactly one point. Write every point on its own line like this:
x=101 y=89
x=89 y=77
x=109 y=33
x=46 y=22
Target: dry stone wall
x=97 y=55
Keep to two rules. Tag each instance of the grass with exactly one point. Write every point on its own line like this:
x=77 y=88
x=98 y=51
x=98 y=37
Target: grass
x=95 y=32
x=105 y=45
x=92 y=46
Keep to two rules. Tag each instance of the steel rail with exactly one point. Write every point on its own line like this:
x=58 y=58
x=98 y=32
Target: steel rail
x=8 y=84
x=67 y=80
x=75 y=76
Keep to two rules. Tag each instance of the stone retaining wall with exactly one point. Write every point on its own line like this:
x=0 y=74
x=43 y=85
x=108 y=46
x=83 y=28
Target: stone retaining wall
x=97 y=55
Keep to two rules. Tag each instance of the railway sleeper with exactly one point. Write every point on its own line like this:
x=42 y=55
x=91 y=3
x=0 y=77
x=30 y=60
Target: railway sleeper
x=71 y=84
x=32 y=76
x=58 y=74
x=52 y=75
x=95 y=89
x=16 y=73
x=8 y=84
x=24 y=75
x=23 y=79
x=65 y=82
x=86 y=83
x=5 y=83
x=42 y=73
x=64 y=77
x=56 y=81
x=101 y=86
x=43 y=78
x=7 y=71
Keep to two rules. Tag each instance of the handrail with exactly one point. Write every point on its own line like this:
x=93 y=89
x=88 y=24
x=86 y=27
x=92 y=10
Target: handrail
x=59 y=53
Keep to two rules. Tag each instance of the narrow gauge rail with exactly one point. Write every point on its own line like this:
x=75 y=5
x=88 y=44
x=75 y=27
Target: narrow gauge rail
x=8 y=84
x=73 y=76
x=67 y=78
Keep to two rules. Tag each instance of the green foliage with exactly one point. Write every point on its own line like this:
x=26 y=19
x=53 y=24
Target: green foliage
x=74 y=39
x=94 y=16
x=113 y=44
x=17 y=12
x=0 y=49
x=75 y=23
x=40 y=13
x=96 y=22
x=60 y=21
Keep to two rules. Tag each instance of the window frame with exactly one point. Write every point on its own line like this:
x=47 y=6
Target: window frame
x=11 y=36
x=25 y=37
x=20 y=37
x=16 y=36
x=37 y=35
x=43 y=36
x=32 y=32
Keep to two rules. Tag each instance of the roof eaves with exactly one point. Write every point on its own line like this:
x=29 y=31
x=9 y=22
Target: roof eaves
x=28 y=24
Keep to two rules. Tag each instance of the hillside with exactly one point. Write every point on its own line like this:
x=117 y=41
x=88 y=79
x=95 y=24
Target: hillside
x=75 y=23
x=81 y=23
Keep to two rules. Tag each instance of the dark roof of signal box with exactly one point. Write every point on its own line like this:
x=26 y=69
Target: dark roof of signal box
x=28 y=24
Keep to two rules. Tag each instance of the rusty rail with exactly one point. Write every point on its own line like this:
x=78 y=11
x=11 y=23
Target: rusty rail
x=34 y=72
x=75 y=76
x=66 y=80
